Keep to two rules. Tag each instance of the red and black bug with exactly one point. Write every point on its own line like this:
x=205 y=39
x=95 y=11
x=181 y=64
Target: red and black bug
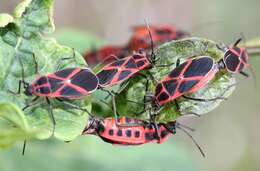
x=235 y=58
x=195 y=73
x=132 y=131
x=126 y=131
x=70 y=83
x=103 y=55
x=161 y=34
x=187 y=77
x=66 y=84
x=122 y=69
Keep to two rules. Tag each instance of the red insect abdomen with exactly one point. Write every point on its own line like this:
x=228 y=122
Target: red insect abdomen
x=135 y=133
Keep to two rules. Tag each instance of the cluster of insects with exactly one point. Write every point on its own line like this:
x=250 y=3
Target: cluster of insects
x=140 y=39
x=190 y=76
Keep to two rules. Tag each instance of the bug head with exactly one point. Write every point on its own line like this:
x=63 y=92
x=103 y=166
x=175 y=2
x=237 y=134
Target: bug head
x=236 y=58
x=28 y=89
x=92 y=126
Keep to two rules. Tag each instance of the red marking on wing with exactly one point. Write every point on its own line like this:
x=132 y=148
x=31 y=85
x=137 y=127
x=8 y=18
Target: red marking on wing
x=239 y=55
x=120 y=69
x=144 y=60
x=65 y=83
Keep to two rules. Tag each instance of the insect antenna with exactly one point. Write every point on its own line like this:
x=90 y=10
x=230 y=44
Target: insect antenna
x=191 y=137
x=151 y=39
x=237 y=42
x=24 y=147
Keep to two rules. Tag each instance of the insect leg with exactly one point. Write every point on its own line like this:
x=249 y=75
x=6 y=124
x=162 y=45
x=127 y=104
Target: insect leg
x=51 y=114
x=24 y=147
x=73 y=106
x=154 y=124
x=36 y=64
x=237 y=42
x=166 y=65
x=244 y=74
x=58 y=65
x=204 y=100
x=18 y=90
x=213 y=99
x=193 y=140
x=31 y=103
x=178 y=109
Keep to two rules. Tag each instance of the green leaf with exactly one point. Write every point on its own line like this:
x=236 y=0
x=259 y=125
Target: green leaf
x=78 y=39
x=34 y=16
x=167 y=54
x=20 y=40
x=5 y=19
x=13 y=125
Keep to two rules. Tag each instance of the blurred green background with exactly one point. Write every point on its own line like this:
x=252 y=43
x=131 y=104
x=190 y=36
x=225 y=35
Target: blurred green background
x=229 y=135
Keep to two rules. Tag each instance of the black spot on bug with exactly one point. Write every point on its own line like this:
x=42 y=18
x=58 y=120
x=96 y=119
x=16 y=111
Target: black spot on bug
x=55 y=84
x=177 y=71
x=199 y=67
x=164 y=133
x=185 y=86
x=124 y=74
x=118 y=62
x=42 y=80
x=232 y=62
x=131 y=64
x=163 y=32
x=44 y=90
x=128 y=133
x=148 y=136
x=111 y=132
x=127 y=120
x=85 y=79
x=68 y=91
x=119 y=133
x=64 y=73
x=100 y=128
x=170 y=86
x=137 y=134
x=106 y=76
x=136 y=56
x=140 y=63
x=155 y=135
x=163 y=96
x=158 y=89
